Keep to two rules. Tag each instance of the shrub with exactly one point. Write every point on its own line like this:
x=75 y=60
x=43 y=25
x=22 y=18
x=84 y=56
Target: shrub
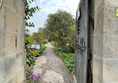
x=58 y=49
x=53 y=43
x=68 y=58
x=30 y=59
x=68 y=49
x=42 y=48
x=45 y=41
x=34 y=52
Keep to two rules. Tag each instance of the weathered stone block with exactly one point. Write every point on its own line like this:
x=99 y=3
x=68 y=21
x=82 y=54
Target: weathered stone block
x=25 y=72
x=2 y=70
x=2 y=43
x=21 y=8
x=2 y=19
x=95 y=80
x=20 y=42
x=20 y=75
x=24 y=1
x=98 y=5
x=97 y=67
x=10 y=17
x=1 y=81
x=10 y=66
x=2 y=35
x=99 y=19
x=11 y=4
x=24 y=58
x=111 y=3
x=110 y=45
x=23 y=26
x=10 y=43
x=19 y=23
x=19 y=59
x=2 y=53
x=110 y=21
x=110 y=70
x=12 y=80
x=98 y=45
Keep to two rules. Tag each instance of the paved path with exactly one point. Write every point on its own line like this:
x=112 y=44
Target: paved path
x=52 y=68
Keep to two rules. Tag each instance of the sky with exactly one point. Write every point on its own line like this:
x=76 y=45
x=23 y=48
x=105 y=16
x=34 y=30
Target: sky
x=50 y=7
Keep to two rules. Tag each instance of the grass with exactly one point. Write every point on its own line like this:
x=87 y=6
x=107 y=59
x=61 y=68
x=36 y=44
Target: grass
x=68 y=58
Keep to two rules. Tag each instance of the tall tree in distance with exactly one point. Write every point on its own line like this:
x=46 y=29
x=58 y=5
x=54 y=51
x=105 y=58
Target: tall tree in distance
x=57 y=26
x=38 y=36
x=40 y=29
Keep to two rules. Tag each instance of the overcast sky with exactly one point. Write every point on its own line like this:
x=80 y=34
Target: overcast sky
x=51 y=6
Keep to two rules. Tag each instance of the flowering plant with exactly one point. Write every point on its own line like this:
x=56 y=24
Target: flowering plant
x=34 y=78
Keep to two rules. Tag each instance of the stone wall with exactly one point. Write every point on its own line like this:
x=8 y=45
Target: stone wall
x=104 y=42
x=12 y=51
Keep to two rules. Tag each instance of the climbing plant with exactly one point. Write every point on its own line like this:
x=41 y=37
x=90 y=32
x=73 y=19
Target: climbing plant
x=30 y=59
x=30 y=56
x=29 y=12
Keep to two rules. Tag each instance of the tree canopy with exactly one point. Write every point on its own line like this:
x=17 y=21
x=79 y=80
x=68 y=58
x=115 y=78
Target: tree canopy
x=59 y=26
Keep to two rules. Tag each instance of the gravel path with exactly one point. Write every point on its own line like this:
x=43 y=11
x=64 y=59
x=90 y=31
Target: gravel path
x=52 y=68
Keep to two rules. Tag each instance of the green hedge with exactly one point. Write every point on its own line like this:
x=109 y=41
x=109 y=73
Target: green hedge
x=68 y=49
x=53 y=43
x=34 y=52
x=68 y=58
x=45 y=41
x=42 y=48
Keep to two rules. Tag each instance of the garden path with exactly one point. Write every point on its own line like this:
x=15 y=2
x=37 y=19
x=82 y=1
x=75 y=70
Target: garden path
x=52 y=68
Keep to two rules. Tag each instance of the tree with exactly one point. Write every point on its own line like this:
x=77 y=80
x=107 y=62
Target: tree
x=57 y=26
x=40 y=29
x=37 y=37
x=29 y=11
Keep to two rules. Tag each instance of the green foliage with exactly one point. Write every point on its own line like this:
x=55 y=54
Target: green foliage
x=42 y=48
x=45 y=41
x=40 y=29
x=37 y=37
x=68 y=58
x=28 y=41
x=34 y=52
x=29 y=70
x=59 y=26
x=53 y=43
x=31 y=54
x=30 y=59
x=29 y=12
x=68 y=49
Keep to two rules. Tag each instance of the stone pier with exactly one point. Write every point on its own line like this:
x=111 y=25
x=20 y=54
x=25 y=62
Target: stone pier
x=104 y=42
x=12 y=51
